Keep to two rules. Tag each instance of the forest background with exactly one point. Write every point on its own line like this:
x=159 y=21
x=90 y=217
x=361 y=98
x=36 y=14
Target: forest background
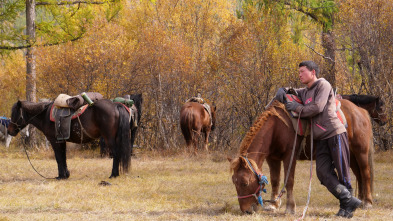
x=236 y=53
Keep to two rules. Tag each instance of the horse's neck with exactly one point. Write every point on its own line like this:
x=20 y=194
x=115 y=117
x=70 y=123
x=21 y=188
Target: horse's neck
x=36 y=116
x=260 y=147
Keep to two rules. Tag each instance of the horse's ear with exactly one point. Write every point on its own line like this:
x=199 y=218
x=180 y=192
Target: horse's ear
x=229 y=159
x=19 y=103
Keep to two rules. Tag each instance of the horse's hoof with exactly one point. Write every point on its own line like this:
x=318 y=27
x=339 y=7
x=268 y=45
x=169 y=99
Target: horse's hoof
x=290 y=211
x=270 y=208
x=61 y=178
x=366 y=205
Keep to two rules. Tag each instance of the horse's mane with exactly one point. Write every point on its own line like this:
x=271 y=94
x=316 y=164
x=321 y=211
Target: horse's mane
x=33 y=108
x=235 y=164
x=361 y=99
x=271 y=111
x=245 y=144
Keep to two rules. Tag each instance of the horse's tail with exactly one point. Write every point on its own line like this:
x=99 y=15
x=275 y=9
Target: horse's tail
x=186 y=121
x=123 y=139
x=371 y=162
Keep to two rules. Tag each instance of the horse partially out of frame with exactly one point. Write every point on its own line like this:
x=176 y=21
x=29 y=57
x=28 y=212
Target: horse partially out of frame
x=5 y=137
x=138 y=100
x=373 y=104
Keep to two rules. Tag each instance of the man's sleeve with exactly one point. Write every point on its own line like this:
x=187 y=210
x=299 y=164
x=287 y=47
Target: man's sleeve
x=318 y=104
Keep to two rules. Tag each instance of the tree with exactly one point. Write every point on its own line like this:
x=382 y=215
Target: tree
x=317 y=11
x=60 y=21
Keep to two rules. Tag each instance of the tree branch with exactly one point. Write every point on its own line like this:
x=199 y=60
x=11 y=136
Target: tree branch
x=12 y=48
x=313 y=16
x=327 y=58
x=73 y=2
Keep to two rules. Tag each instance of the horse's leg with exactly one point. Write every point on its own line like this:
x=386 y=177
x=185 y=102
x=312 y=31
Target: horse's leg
x=207 y=140
x=364 y=181
x=8 y=141
x=275 y=169
x=111 y=144
x=60 y=155
x=195 y=138
x=291 y=205
x=355 y=169
x=133 y=135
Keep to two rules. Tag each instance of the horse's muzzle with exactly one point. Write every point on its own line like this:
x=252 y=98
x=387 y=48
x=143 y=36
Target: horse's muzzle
x=12 y=131
x=252 y=209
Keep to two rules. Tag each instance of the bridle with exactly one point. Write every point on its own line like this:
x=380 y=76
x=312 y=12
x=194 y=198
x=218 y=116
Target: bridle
x=19 y=126
x=378 y=113
x=262 y=180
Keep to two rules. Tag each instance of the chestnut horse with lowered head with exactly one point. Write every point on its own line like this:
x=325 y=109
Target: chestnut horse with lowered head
x=272 y=137
x=194 y=120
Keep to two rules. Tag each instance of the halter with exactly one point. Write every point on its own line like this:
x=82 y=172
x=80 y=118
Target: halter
x=18 y=126
x=262 y=180
x=376 y=110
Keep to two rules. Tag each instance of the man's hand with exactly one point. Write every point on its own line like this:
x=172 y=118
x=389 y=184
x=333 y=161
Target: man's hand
x=280 y=94
x=291 y=106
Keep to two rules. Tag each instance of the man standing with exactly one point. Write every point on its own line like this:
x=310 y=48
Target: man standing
x=330 y=136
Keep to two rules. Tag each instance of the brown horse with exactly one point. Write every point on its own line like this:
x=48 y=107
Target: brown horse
x=104 y=118
x=194 y=120
x=272 y=137
x=374 y=105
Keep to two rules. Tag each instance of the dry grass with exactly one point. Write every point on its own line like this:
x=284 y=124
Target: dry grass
x=159 y=187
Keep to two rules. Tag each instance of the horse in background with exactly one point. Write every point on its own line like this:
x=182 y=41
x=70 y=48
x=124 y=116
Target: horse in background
x=271 y=139
x=194 y=120
x=134 y=125
x=103 y=118
x=373 y=104
x=5 y=137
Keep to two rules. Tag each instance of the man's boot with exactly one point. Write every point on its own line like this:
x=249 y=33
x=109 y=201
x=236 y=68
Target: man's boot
x=348 y=203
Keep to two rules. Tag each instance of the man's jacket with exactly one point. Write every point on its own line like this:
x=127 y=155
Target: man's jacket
x=320 y=106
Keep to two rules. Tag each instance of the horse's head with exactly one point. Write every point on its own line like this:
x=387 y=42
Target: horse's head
x=249 y=183
x=213 y=110
x=18 y=119
x=379 y=113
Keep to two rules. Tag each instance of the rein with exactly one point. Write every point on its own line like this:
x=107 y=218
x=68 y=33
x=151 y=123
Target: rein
x=24 y=147
x=291 y=161
x=290 y=167
x=262 y=180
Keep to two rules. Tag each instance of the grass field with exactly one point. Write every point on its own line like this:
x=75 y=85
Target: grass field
x=171 y=187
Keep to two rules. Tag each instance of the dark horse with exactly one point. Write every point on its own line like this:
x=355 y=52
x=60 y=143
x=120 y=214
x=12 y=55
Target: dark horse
x=194 y=120
x=138 y=100
x=104 y=118
x=374 y=105
x=271 y=138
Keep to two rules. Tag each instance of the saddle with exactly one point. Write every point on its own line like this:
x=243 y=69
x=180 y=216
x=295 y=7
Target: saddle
x=62 y=117
x=66 y=108
x=130 y=107
x=205 y=105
